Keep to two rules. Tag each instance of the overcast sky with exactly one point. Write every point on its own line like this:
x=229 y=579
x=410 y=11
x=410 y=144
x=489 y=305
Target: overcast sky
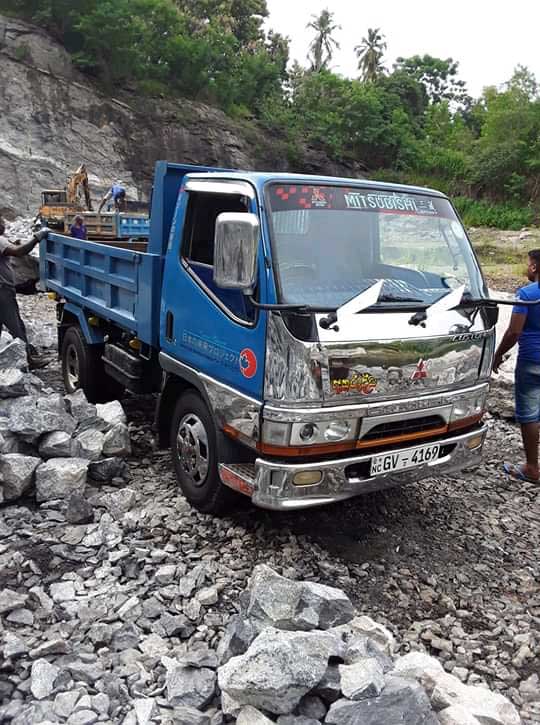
x=488 y=37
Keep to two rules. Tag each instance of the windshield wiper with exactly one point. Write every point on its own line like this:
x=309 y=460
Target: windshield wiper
x=398 y=298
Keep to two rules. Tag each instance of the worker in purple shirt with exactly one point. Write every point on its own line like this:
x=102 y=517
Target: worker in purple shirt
x=78 y=228
x=524 y=329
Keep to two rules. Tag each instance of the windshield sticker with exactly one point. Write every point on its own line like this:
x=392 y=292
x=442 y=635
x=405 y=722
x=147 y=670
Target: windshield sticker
x=287 y=197
x=364 y=383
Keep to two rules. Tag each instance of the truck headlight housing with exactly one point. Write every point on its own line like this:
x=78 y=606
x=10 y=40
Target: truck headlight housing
x=324 y=431
x=468 y=406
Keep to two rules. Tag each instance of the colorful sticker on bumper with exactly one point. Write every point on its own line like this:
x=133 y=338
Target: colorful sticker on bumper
x=248 y=363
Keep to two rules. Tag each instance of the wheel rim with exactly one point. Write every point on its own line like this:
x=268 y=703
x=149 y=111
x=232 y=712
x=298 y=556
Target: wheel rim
x=193 y=451
x=72 y=368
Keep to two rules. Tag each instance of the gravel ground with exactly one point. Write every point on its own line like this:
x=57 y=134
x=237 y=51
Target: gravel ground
x=450 y=564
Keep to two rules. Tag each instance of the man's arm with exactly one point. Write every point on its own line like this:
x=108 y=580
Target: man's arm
x=510 y=337
x=105 y=199
x=13 y=250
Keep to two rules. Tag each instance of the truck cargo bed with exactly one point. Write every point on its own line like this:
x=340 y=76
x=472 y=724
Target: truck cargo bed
x=117 y=284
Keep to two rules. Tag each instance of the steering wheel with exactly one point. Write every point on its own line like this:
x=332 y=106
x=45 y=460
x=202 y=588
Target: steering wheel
x=296 y=271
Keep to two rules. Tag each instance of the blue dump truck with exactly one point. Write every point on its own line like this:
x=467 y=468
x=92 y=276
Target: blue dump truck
x=310 y=338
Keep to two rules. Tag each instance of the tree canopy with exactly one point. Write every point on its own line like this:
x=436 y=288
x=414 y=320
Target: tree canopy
x=415 y=122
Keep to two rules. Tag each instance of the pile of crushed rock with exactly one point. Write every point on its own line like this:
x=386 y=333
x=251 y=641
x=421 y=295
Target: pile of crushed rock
x=297 y=653
x=50 y=444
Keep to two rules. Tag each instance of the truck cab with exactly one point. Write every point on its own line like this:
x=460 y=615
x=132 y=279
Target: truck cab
x=310 y=336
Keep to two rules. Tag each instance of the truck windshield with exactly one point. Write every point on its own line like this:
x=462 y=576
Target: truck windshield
x=332 y=242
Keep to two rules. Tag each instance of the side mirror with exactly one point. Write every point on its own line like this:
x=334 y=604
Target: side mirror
x=235 y=251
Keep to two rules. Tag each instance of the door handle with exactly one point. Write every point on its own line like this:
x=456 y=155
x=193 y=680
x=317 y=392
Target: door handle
x=169 y=326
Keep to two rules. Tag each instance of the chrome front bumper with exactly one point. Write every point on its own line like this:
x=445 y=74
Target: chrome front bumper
x=273 y=488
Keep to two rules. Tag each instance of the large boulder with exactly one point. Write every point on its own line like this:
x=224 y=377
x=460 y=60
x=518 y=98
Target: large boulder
x=12 y=383
x=60 y=477
x=58 y=444
x=31 y=416
x=116 y=441
x=13 y=355
x=188 y=685
x=16 y=474
x=285 y=604
x=278 y=669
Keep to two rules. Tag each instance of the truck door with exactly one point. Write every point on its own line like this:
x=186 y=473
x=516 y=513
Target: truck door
x=215 y=331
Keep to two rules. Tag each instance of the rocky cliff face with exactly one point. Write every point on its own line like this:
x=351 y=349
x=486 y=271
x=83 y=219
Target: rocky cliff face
x=54 y=118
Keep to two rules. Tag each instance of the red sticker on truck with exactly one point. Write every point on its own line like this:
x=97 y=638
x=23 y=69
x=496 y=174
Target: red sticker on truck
x=248 y=363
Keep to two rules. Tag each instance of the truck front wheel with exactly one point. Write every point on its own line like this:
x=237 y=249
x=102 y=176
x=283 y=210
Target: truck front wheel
x=194 y=451
x=82 y=367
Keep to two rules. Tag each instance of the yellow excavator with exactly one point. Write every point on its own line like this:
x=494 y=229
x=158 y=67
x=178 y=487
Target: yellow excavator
x=57 y=204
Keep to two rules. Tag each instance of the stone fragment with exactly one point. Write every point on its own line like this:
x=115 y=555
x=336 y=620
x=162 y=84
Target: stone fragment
x=13 y=355
x=145 y=710
x=329 y=688
x=117 y=441
x=12 y=383
x=10 y=600
x=285 y=604
x=90 y=444
x=79 y=510
x=154 y=646
x=62 y=591
x=42 y=679
x=313 y=707
x=187 y=685
x=238 y=635
x=248 y=715
x=184 y=715
x=112 y=413
x=457 y=715
x=119 y=502
x=58 y=444
x=31 y=416
x=402 y=701
x=297 y=720
x=207 y=596
x=65 y=702
x=107 y=469
x=272 y=675
x=57 y=646
x=14 y=646
x=60 y=477
x=363 y=679
x=366 y=627
x=16 y=474
x=82 y=717
x=21 y=616
x=79 y=407
x=417 y=665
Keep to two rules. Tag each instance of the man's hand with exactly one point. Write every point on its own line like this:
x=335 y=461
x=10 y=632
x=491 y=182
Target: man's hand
x=497 y=362
x=41 y=234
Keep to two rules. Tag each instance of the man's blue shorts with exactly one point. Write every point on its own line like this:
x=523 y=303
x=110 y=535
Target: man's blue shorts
x=527 y=392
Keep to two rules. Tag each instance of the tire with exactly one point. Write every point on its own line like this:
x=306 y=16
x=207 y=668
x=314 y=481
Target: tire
x=82 y=367
x=194 y=447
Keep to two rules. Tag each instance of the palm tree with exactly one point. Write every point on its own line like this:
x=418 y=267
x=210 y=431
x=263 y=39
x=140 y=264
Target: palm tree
x=323 y=44
x=370 y=54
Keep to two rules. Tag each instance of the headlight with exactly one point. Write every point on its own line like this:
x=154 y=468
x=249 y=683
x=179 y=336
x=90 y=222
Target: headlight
x=276 y=434
x=331 y=431
x=468 y=407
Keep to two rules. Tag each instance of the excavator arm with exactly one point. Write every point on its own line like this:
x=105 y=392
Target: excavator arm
x=76 y=180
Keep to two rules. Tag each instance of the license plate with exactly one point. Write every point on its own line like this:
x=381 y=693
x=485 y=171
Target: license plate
x=388 y=462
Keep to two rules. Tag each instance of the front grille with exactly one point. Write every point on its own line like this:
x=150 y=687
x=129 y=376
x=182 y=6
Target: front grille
x=404 y=427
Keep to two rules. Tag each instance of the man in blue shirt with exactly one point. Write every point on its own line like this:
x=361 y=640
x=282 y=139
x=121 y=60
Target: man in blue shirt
x=116 y=194
x=524 y=329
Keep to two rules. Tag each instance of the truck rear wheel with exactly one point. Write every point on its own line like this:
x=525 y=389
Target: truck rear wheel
x=194 y=450
x=82 y=367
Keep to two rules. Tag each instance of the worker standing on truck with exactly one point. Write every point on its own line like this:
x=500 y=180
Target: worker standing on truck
x=78 y=228
x=10 y=316
x=116 y=194
x=524 y=329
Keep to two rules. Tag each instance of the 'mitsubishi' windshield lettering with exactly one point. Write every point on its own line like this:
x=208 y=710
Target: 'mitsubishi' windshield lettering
x=384 y=202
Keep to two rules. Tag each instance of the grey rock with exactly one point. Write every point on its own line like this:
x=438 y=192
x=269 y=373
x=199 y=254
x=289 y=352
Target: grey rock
x=363 y=679
x=117 y=441
x=169 y=625
x=120 y=502
x=248 y=715
x=65 y=702
x=417 y=665
x=51 y=646
x=9 y=443
x=285 y=604
x=58 y=444
x=297 y=720
x=79 y=407
x=312 y=707
x=271 y=675
x=366 y=627
x=16 y=474
x=111 y=413
x=31 y=416
x=21 y=616
x=402 y=701
x=42 y=679
x=107 y=469
x=90 y=444
x=79 y=510
x=145 y=710
x=238 y=635
x=14 y=646
x=10 y=600
x=60 y=477
x=184 y=715
x=100 y=634
x=187 y=685
x=82 y=717
x=12 y=383
x=126 y=637
x=13 y=355
x=457 y=715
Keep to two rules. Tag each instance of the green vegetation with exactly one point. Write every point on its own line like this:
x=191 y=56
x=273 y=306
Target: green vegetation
x=415 y=122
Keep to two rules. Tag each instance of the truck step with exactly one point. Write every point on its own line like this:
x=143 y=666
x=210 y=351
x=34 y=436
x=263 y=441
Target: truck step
x=238 y=476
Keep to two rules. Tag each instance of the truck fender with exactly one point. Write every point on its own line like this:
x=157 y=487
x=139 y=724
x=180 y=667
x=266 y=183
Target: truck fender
x=173 y=385
x=92 y=335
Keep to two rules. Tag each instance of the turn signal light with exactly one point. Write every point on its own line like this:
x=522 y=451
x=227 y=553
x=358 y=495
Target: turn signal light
x=475 y=441
x=52 y=295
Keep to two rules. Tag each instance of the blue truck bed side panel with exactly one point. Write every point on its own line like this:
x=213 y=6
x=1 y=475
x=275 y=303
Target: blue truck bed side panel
x=115 y=284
